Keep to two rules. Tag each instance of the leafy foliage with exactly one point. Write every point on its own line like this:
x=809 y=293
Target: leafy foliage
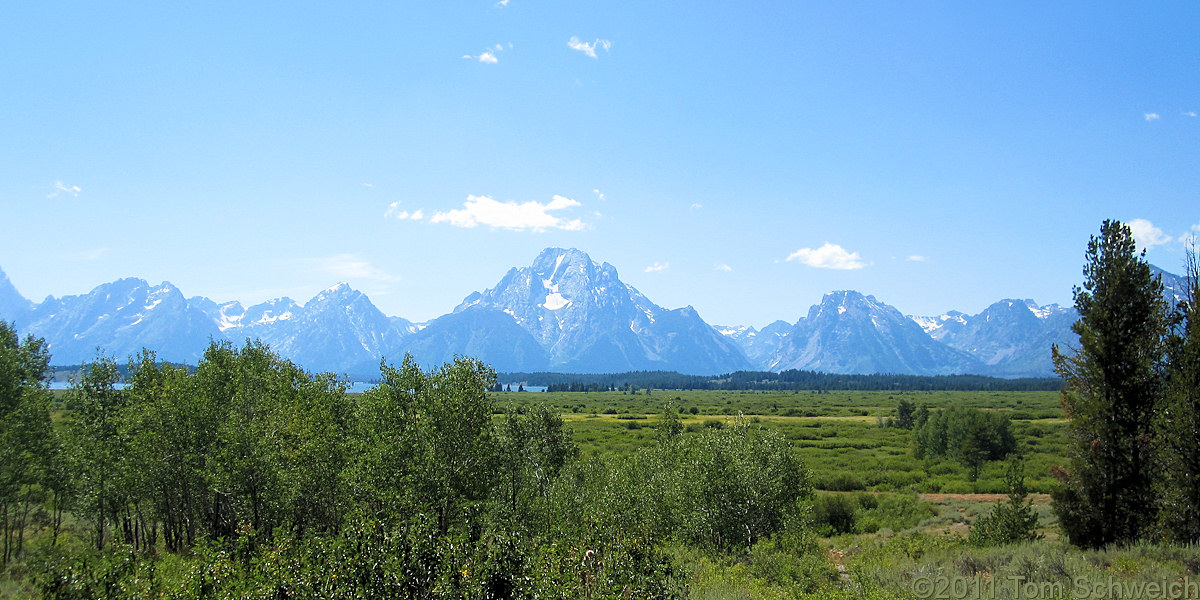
x=905 y=414
x=27 y=446
x=968 y=435
x=261 y=480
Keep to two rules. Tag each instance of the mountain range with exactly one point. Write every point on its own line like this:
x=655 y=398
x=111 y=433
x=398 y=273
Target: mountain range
x=564 y=312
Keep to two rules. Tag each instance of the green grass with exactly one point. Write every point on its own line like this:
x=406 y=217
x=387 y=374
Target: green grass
x=837 y=434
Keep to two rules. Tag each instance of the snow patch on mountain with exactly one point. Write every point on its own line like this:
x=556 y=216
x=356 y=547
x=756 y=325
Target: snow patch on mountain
x=555 y=301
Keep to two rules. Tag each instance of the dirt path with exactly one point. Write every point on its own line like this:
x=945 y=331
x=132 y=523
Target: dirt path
x=838 y=558
x=1040 y=499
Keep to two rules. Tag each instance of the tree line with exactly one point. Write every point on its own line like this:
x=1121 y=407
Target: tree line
x=791 y=379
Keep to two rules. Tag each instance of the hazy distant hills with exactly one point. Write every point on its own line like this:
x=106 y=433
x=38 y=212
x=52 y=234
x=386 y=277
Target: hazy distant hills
x=564 y=312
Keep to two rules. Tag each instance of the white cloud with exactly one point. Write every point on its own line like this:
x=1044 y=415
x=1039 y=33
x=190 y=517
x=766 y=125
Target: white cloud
x=1152 y=116
x=1192 y=237
x=697 y=206
x=369 y=185
x=1189 y=113
x=483 y=210
x=394 y=211
x=589 y=49
x=501 y=4
x=488 y=56
x=62 y=188
x=828 y=256
x=411 y=216
x=1146 y=234
x=599 y=194
x=657 y=266
x=348 y=267
x=917 y=258
x=723 y=267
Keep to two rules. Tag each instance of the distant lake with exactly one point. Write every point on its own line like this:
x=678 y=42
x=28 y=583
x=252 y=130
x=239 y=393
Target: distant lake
x=356 y=387
x=529 y=388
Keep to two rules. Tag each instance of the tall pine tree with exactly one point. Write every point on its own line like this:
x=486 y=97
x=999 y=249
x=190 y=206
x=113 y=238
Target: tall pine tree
x=1178 y=419
x=1111 y=385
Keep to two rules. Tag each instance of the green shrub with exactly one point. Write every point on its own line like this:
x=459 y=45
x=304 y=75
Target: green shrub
x=841 y=482
x=835 y=514
x=1009 y=522
x=897 y=512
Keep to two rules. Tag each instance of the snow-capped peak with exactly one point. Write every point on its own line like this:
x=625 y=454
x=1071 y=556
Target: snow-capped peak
x=932 y=324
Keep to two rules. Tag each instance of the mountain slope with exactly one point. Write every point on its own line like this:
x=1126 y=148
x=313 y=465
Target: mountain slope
x=487 y=334
x=339 y=330
x=588 y=320
x=1012 y=338
x=14 y=308
x=564 y=312
x=121 y=318
x=852 y=333
x=761 y=347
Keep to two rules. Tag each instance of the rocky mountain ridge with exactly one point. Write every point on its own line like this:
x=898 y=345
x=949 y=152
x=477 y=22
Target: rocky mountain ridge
x=564 y=312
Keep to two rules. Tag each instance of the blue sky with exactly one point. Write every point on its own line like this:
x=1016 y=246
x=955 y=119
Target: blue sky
x=741 y=158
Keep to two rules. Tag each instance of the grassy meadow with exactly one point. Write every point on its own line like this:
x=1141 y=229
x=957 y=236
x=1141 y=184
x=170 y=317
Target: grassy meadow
x=842 y=437
x=904 y=522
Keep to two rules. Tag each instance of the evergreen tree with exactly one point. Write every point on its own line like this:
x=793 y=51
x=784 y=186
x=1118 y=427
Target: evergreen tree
x=1111 y=384
x=1009 y=522
x=1178 y=420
